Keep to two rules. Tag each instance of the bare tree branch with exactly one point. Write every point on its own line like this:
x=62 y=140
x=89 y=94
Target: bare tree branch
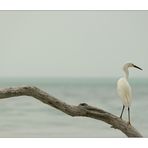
x=81 y=110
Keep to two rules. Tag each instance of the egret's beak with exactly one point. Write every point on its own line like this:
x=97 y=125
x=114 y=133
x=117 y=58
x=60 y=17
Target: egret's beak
x=137 y=67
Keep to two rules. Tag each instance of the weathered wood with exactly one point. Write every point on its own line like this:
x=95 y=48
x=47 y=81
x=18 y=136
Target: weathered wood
x=82 y=109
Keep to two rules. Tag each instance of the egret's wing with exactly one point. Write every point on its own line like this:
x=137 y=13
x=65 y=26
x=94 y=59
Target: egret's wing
x=124 y=91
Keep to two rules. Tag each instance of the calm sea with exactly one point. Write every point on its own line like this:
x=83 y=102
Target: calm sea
x=27 y=117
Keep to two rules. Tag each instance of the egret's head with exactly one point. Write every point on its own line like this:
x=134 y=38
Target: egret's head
x=127 y=65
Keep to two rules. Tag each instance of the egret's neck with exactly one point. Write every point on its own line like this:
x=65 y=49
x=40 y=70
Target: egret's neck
x=126 y=73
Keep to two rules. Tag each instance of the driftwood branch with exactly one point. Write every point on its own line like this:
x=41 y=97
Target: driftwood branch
x=81 y=110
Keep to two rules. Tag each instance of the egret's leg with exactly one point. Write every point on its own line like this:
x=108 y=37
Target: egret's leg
x=129 y=116
x=122 y=111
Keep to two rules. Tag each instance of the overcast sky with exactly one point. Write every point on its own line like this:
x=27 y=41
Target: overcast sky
x=72 y=43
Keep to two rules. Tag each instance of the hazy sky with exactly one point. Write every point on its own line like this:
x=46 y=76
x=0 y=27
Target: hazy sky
x=72 y=43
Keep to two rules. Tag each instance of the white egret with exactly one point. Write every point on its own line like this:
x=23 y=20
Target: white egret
x=124 y=89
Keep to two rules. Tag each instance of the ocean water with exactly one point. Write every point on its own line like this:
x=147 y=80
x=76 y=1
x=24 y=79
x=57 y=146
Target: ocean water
x=27 y=117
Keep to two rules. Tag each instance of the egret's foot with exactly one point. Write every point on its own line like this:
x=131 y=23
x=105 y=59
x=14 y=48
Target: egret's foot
x=129 y=124
x=121 y=117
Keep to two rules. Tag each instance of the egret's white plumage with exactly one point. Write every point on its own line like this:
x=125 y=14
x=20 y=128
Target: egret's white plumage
x=124 y=89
